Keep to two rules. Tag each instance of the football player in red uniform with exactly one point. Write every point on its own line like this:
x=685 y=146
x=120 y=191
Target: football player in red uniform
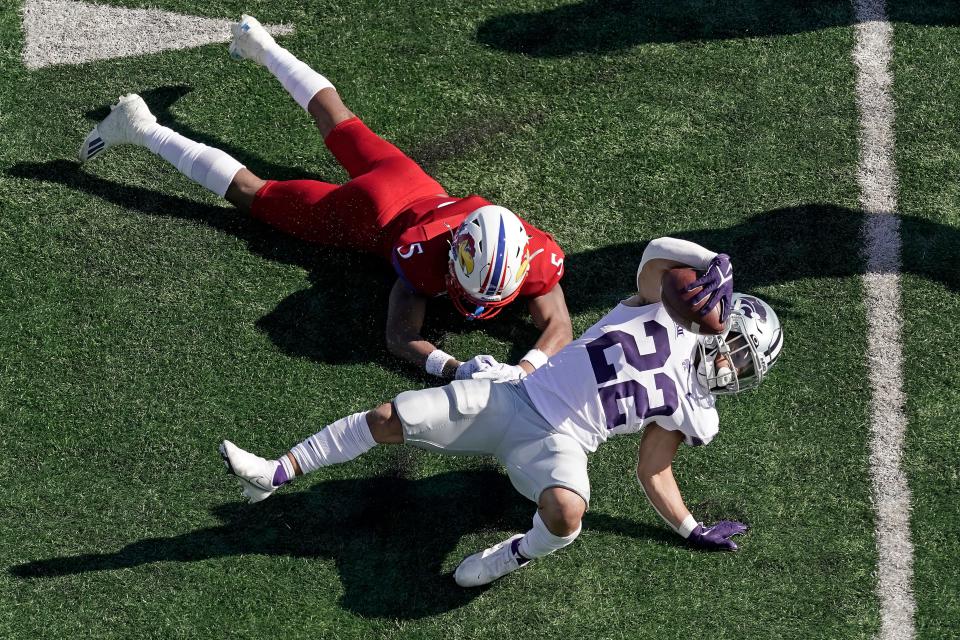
x=481 y=255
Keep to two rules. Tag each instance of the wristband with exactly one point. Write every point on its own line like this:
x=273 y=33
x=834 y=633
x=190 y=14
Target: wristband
x=536 y=358
x=687 y=526
x=436 y=361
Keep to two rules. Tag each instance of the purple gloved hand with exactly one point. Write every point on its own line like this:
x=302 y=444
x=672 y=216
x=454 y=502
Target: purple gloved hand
x=717 y=283
x=717 y=537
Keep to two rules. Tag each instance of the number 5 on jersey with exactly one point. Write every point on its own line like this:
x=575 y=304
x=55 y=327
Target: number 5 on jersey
x=410 y=250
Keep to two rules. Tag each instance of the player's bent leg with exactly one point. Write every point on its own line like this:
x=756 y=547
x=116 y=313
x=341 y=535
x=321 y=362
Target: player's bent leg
x=563 y=508
x=549 y=469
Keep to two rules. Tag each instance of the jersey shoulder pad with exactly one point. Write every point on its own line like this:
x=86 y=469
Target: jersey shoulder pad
x=546 y=264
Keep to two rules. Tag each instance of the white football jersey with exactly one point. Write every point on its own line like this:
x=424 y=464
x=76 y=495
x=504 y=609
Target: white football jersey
x=633 y=367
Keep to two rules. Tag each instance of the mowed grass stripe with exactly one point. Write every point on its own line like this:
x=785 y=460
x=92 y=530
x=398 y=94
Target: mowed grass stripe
x=877 y=178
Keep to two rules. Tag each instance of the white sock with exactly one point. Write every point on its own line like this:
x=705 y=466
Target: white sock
x=209 y=167
x=341 y=441
x=539 y=542
x=297 y=77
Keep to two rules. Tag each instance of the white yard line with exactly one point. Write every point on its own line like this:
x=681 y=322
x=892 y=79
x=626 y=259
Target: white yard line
x=876 y=174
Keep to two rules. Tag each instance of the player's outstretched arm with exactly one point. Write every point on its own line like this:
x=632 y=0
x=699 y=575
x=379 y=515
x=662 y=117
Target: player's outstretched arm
x=405 y=315
x=658 y=447
x=550 y=315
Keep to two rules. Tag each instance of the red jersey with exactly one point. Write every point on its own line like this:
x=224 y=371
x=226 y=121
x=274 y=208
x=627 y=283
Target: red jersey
x=418 y=241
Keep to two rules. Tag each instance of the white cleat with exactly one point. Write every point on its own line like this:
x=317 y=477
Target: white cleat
x=488 y=565
x=125 y=124
x=254 y=473
x=250 y=40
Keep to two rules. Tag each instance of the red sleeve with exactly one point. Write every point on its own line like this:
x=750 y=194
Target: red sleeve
x=422 y=266
x=546 y=264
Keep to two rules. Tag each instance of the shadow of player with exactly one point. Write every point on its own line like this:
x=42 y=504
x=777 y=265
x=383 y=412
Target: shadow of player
x=604 y=26
x=811 y=241
x=331 y=323
x=388 y=536
x=340 y=318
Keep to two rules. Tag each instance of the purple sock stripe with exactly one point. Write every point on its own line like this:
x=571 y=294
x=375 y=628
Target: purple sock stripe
x=515 y=549
x=280 y=475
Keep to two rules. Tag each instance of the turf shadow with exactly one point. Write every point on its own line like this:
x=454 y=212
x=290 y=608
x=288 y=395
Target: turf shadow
x=389 y=537
x=605 y=26
x=327 y=322
x=471 y=135
x=781 y=245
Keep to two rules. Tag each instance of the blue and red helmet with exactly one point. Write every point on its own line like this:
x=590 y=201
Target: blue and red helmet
x=488 y=262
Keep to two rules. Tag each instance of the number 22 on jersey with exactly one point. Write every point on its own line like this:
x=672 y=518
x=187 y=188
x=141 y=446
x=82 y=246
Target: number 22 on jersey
x=604 y=372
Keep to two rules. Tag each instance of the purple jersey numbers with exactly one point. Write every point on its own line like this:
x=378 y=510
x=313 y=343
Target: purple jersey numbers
x=605 y=372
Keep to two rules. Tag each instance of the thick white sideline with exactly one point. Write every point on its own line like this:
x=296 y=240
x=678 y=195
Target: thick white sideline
x=876 y=174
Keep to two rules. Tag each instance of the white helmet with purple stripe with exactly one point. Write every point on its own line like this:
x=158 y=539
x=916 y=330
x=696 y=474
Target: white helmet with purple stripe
x=740 y=358
x=488 y=261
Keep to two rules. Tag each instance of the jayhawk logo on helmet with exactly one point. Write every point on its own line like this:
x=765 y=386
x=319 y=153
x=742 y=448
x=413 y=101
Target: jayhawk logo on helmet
x=466 y=252
x=525 y=265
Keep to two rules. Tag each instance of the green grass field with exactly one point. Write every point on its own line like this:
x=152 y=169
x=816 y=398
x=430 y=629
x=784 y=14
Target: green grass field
x=143 y=320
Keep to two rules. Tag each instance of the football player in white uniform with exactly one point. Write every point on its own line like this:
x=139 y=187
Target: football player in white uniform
x=635 y=370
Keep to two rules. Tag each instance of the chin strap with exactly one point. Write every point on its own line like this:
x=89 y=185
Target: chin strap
x=460 y=300
x=477 y=313
x=719 y=379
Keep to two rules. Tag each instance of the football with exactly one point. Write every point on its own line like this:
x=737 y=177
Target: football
x=677 y=302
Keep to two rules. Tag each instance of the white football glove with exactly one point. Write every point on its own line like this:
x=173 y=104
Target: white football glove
x=501 y=372
x=475 y=365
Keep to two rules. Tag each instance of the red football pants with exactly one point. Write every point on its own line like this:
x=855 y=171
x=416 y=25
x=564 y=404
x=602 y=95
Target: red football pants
x=384 y=182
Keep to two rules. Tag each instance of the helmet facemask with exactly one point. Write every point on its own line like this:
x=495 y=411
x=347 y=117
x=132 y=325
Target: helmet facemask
x=747 y=350
x=740 y=367
x=463 y=301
